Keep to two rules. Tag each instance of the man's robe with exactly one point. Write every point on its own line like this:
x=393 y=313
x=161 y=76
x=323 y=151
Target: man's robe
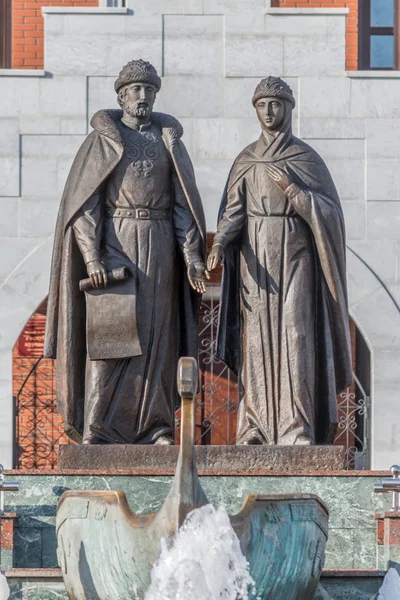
x=65 y=339
x=283 y=316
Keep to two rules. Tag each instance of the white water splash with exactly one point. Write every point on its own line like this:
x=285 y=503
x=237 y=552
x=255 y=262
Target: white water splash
x=390 y=589
x=203 y=561
x=4 y=589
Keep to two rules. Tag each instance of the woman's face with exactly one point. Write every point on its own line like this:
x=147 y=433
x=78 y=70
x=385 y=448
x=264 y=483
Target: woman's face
x=270 y=113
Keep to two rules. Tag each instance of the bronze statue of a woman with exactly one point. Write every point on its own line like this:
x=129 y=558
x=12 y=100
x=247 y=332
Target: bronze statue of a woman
x=283 y=317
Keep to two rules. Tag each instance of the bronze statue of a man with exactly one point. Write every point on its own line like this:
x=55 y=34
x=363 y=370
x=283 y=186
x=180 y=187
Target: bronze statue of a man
x=283 y=316
x=130 y=206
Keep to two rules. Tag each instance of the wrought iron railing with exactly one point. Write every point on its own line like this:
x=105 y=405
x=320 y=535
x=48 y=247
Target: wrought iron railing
x=39 y=428
x=218 y=398
x=353 y=428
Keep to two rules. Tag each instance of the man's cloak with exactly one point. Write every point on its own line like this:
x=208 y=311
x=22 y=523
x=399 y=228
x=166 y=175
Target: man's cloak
x=66 y=311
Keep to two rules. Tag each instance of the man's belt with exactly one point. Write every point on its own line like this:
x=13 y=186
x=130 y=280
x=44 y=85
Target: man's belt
x=264 y=216
x=137 y=213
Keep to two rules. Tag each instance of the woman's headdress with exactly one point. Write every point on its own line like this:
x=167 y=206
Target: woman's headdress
x=273 y=87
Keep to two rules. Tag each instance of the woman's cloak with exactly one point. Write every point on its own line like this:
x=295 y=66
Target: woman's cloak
x=66 y=312
x=320 y=208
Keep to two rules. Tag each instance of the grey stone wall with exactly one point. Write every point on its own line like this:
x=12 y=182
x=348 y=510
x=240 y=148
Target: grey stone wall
x=211 y=54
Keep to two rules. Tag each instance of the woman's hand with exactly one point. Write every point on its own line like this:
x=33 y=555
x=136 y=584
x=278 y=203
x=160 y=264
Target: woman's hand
x=279 y=176
x=97 y=273
x=217 y=255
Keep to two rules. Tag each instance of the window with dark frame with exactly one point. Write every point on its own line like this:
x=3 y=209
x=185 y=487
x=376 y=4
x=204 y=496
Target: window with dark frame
x=379 y=34
x=5 y=34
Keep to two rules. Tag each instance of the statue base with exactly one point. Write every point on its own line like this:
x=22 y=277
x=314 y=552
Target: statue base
x=352 y=557
x=234 y=460
x=47 y=583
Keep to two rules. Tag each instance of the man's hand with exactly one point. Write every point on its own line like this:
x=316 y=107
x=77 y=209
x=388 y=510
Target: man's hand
x=97 y=273
x=279 y=176
x=196 y=272
x=217 y=255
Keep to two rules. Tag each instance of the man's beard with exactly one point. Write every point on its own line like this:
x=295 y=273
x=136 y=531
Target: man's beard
x=139 y=109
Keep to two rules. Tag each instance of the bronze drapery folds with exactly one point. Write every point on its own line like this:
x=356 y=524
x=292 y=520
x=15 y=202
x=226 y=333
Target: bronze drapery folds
x=284 y=316
x=130 y=205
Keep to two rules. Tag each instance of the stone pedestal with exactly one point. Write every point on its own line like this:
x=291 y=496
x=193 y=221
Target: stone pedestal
x=351 y=557
x=235 y=460
x=37 y=584
x=7 y=520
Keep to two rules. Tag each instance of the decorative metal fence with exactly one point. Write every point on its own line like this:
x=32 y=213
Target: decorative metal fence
x=353 y=429
x=39 y=428
x=218 y=398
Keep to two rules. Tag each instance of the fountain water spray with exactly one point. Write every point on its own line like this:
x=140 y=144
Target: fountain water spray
x=390 y=589
x=203 y=561
x=4 y=589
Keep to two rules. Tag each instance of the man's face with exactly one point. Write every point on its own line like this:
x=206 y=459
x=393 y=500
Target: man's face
x=139 y=100
x=270 y=113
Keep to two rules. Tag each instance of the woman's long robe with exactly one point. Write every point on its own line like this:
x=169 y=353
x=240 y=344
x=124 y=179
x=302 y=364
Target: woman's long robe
x=283 y=318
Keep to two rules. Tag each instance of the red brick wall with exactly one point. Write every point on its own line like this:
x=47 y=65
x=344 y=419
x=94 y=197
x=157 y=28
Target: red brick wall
x=28 y=30
x=39 y=427
x=351 y=28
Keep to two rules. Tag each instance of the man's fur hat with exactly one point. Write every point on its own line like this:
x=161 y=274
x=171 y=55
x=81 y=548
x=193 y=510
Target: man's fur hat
x=138 y=71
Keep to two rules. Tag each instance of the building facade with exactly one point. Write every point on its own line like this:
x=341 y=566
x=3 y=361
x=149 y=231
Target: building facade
x=211 y=54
